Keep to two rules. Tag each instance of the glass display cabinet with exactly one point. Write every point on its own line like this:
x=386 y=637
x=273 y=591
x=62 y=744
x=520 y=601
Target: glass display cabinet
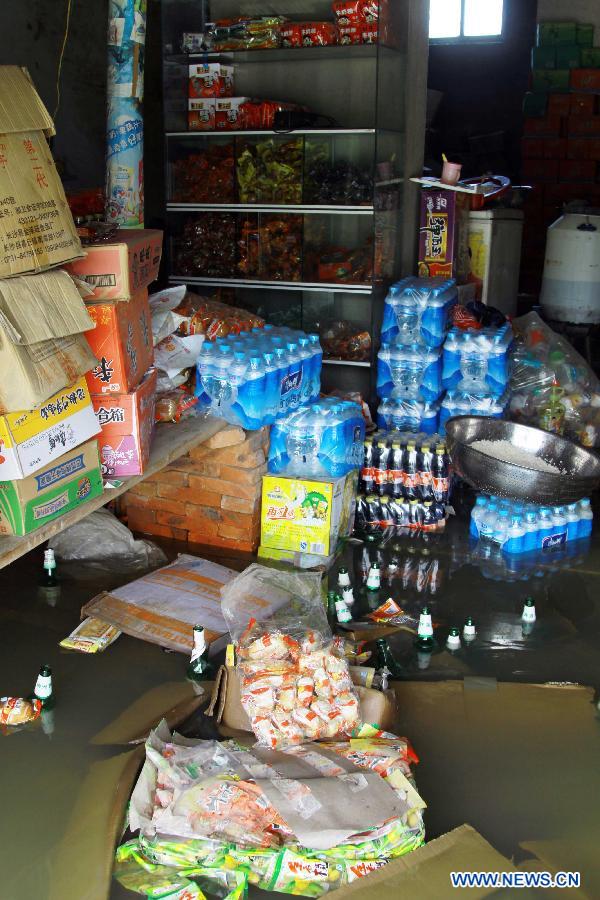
x=306 y=226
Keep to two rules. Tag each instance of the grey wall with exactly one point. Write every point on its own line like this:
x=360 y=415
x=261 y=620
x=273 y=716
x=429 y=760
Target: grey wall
x=569 y=11
x=31 y=33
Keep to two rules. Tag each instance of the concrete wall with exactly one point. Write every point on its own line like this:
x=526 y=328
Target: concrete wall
x=31 y=33
x=569 y=11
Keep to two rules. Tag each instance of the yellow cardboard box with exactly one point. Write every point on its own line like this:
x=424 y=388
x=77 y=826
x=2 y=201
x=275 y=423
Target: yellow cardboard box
x=306 y=516
x=33 y=438
x=36 y=226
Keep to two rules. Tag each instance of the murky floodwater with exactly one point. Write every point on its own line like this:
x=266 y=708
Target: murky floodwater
x=58 y=780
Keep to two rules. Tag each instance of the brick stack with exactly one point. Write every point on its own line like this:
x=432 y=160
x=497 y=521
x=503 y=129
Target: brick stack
x=561 y=134
x=211 y=496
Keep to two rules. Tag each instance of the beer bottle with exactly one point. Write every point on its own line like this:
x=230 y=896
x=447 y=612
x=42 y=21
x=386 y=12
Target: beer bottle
x=469 y=631
x=425 y=640
x=386 y=659
x=342 y=613
x=343 y=578
x=371 y=595
x=200 y=668
x=331 y=610
x=49 y=578
x=43 y=690
x=453 y=640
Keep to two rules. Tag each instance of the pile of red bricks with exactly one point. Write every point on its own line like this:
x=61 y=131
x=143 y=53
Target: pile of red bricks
x=211 y=496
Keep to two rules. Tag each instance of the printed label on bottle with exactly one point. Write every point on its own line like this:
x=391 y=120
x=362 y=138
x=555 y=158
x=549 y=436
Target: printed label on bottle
x=554 y=540
x=342 y=612
x=199 y=646
x=43 y=687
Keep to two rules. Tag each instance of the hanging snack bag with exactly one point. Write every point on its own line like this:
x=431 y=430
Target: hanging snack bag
x=293 y=687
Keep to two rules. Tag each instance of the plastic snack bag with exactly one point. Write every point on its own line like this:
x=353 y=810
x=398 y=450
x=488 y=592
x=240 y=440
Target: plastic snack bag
x=293 y=686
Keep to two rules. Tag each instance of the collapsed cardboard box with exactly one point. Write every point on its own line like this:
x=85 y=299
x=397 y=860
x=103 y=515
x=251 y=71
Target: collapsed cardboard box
x=42 y=347
x=34 y=438
x=118 y=270
x=56 y=489
x=122 y=341
x=127 y=423
x=36 y=225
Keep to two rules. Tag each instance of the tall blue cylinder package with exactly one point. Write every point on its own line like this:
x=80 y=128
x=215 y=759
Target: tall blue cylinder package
x=125 y=124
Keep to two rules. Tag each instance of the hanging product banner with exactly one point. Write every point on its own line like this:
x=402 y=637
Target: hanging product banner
x=125 y=127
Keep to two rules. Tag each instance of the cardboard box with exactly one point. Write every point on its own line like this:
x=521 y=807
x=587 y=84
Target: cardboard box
x=122 y=341
x=229 y=113
x=201 y=114
x=532 y=148
x=36 y=226
x=210 y=80
x=31 y=439
x=117 y=271
x=578 y=148
x=63 y=485
x=585 y=35
x=42 y=347
x=585 y=80
x=582 y=104
x=568 y=57
x=551 y=80
x=127 y=423
x=554 y=148
x=550 y=124
x=556 y=33
x=590 y=57
x=535 y=103
x=559 y=104
x=583 y=125
x=543 y=57
x=306 y=515
x=444 y=235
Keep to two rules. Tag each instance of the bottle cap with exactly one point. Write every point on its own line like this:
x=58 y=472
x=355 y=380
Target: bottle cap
x=453 y=640
x=469 y=631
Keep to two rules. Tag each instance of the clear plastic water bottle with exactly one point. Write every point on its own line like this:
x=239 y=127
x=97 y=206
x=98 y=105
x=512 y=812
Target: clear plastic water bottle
x=477 y=515
x=306 y=360
x=251 y=394
x=500 y=532
x=316 y=365
x=559 y=525
x=545 y=525
x=282 y=375
x=531 y=537
x=572 y=522
x=488 y=521
x=271 y=388
x=515 y=536
x=586 y=517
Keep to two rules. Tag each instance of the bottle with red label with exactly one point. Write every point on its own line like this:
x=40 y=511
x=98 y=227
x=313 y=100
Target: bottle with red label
x=440 y=473
x=395 y=472
x=425 y=475
x=380 y=467
x=411 y=474
x=367 y=473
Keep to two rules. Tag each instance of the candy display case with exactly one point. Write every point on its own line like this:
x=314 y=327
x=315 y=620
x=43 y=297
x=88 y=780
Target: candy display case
x=310 y=222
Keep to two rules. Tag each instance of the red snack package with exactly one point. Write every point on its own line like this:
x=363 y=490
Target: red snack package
x=201 y=115
x=348 y=12
x=350 y=34
x=229 y=113
x=369 y=10
x=369 y=34
x=318 y=34
x=210 y=80
x=291 y=34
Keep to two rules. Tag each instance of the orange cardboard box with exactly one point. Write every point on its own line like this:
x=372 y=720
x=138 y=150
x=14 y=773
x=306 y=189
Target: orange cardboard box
x=122 y=342
x=127 y=423
x=119 y=270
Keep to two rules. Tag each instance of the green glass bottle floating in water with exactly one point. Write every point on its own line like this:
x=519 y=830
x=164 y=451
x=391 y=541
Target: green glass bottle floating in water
x=386 y=659
x=331 y=610
x=43 y=690
x=372 y=592
x=425 y=640
x=49 y=578
x=200 y=668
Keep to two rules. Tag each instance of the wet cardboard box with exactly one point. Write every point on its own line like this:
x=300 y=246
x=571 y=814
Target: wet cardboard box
x=56 y=489
x=33 y=438
x=42 y=346
x=122 y=342
x=119 y=270
x=37 y=230
x=127 y=423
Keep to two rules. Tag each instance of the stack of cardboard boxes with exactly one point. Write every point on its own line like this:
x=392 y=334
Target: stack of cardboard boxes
x=48 y=455
x=122 y=384
x=561 y=134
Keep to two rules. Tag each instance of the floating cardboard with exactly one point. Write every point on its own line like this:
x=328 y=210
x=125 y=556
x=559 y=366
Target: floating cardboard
x=127 y=422
x=68 y=482
x=42 y=348
x=31 y=439
x=118 y=270
x=36 y=226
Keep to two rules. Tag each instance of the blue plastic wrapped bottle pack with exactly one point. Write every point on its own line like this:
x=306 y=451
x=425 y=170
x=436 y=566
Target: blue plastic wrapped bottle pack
x=417 y=310
x=324 y=439
x=459 y=403
x=477 y=361
x=408 y=415
x=255 y=378
x=517 y=528
x=410 y=371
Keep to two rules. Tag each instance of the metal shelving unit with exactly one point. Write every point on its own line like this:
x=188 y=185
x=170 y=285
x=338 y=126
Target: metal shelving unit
x=376 y=95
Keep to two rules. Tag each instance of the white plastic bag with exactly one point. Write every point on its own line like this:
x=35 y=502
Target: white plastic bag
x=100 y=536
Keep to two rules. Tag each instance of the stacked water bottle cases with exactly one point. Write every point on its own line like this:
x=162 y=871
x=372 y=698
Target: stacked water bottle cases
x=521 y=528
x=428 y=372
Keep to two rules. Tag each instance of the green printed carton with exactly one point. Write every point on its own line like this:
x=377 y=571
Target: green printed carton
x=51 y=492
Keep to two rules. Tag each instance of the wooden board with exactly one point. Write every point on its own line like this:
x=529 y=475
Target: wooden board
x=169 y=443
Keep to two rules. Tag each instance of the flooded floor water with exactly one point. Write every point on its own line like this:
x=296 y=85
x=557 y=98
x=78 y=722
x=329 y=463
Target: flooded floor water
x=58 y=776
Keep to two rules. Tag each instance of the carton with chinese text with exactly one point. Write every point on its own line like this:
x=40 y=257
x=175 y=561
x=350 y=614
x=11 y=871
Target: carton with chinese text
x=42 y=346
x=121 y=269
x=307 y=516
x=51 y=492
x=444 y=235
x=36 y=226
x=122 y=342
x=33 y=438
x=127 y=423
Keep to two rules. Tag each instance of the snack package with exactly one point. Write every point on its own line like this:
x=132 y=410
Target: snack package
x=293 y=687
x=18 y=711
x=210 y=80
x=174 y=405
x=341 y=339
x=291 y=34
x=318 y=34
x=213 y=319
x=91 y=636
x=245 y=33
x=206 y=176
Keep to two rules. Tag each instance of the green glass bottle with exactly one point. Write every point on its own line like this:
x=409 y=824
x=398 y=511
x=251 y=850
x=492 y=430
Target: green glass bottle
x=372 y=591
x=425 y=640
x=49 y=578
x=200 y=668
x=386 y=659
x=43 y=690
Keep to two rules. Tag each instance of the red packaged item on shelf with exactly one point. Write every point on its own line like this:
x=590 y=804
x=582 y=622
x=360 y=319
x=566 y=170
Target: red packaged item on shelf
x=205 y=177
x=210 y=80
x=347 y=12
x=318 y=34
x=369 y=34
x=201 y=114
x=291 y=34
x=229 y=113
x=350 y=34
x=369 y=10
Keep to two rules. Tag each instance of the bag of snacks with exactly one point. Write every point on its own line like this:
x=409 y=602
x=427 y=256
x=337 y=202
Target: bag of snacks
x=293 y=686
